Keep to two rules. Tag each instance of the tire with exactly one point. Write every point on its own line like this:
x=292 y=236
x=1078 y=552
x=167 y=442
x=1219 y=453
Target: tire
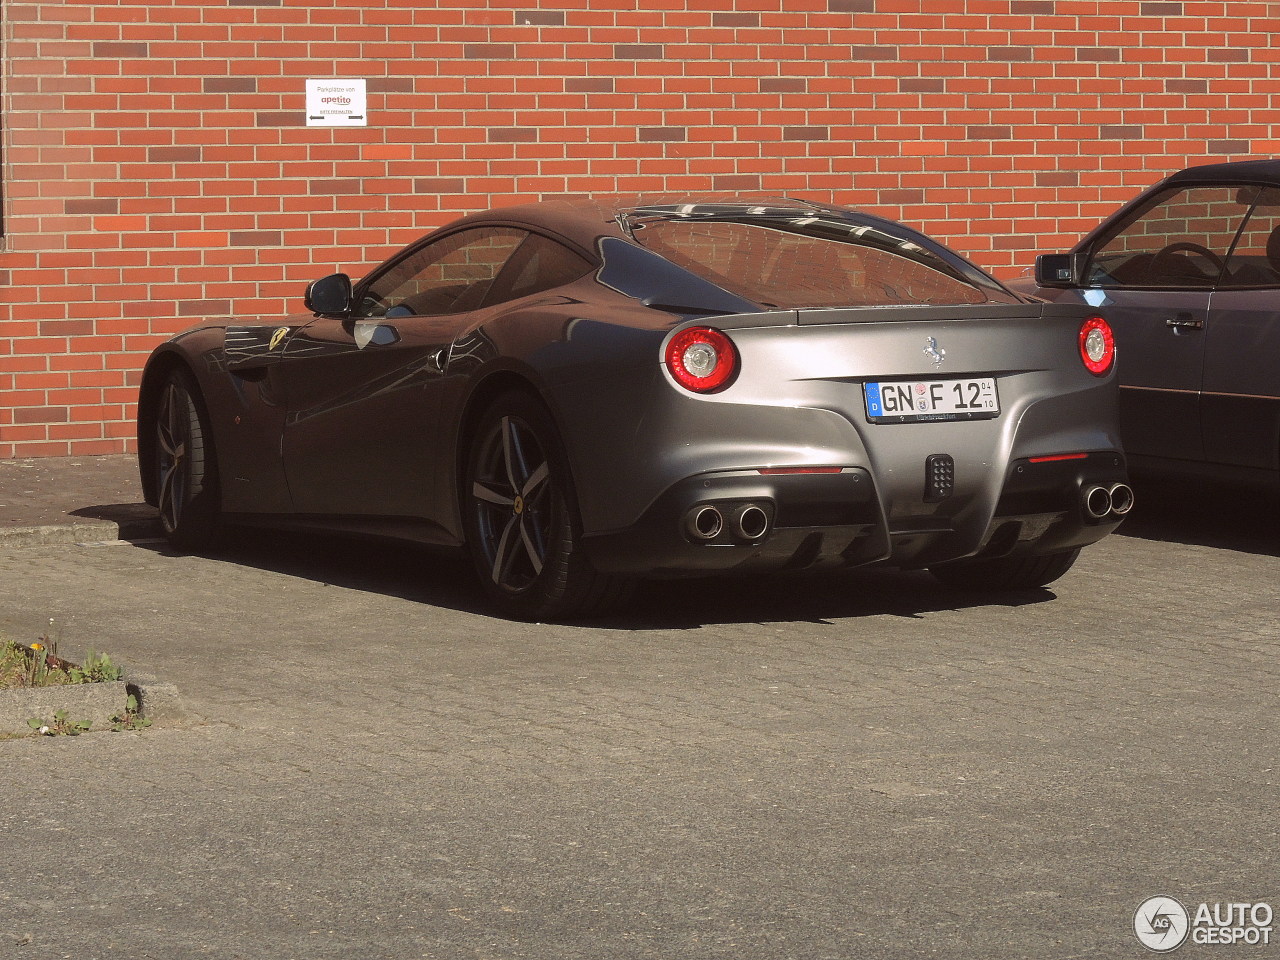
x=186 y=470
x=1005 y=573
x=521 y=518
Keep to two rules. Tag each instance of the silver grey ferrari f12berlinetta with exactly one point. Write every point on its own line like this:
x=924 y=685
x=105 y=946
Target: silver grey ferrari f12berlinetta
x=585 y=393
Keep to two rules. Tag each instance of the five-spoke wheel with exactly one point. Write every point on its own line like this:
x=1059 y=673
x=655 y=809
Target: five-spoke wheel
x=186 y=476
x=521 y=516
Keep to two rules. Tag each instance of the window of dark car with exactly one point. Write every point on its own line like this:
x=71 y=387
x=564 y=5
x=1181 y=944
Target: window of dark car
x=811 y=262
x=1255 y=259
x=449 y=275
x=539 y=264
x=1180 y=239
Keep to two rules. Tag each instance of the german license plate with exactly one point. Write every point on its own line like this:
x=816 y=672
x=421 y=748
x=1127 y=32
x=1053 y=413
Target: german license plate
x=903 y=401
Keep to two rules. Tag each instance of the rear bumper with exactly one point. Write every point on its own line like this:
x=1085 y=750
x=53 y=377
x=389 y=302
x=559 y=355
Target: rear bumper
x=838 y=519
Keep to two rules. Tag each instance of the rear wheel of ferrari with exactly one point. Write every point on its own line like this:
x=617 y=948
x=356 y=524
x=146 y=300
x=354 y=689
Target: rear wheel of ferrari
x=1005 y=573
x=521 y=514
x=186 y=473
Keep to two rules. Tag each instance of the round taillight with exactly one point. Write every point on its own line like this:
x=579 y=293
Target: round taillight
x=1097 y=345
x=701 y=359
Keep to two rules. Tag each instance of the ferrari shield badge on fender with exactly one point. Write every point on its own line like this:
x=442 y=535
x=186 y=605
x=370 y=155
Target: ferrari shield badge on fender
x=277 y=336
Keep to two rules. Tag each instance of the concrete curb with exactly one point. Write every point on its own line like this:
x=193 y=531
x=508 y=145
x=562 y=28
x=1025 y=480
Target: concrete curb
x=88 y=531
x=95 y=702
x=159 y=700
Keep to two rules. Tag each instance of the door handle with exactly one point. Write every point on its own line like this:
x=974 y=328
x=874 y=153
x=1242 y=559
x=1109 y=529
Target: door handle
x=1184 y=321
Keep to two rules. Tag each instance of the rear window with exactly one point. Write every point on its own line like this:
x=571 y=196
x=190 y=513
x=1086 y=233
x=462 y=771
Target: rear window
x=812 y=262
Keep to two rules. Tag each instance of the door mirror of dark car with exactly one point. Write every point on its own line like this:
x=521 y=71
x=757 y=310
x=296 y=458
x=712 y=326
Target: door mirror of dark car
x=329 y=295
x=1059 y=269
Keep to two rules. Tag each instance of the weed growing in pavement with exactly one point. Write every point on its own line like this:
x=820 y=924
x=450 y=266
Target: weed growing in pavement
x=97 y=668
x=131 y=719
x=39 y=665
x=33 y=666
x=62 y=726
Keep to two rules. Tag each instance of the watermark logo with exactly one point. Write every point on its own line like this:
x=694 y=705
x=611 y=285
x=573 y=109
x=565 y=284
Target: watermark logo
x=1232 y=923
x=1161 y=924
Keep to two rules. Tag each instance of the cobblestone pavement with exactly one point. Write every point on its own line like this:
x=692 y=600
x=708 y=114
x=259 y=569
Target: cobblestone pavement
x=843 y=766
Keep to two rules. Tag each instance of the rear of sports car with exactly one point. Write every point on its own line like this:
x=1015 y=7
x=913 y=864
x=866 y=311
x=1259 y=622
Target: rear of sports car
x=870 y=398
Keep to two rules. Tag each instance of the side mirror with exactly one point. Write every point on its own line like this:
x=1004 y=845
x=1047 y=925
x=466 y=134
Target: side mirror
x=1059 y=269
x=329 y=296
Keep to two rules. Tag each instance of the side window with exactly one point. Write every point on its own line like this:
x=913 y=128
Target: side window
x=540 y=264
x=1255 y=261
x=449 y=276
x=1181 y=240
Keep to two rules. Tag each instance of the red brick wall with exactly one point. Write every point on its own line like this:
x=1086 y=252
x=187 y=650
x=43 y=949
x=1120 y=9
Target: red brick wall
x=157 y=167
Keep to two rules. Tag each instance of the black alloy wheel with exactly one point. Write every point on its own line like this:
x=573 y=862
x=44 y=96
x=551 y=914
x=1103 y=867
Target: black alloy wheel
x=521 y=516
x=186 y=473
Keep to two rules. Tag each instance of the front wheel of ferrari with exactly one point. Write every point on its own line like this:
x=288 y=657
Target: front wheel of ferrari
x=1005 y=573
x=523 y=529
x=185 y=469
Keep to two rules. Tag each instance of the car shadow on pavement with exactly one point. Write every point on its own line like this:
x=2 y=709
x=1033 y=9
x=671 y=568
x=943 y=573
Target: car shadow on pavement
x=819 y=597
x=446 y=579
x=1206 y=513
x=133 y=519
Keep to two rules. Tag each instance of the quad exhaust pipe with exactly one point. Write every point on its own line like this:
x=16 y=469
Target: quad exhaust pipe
x=704 y=523
x=749 y=522
x=1101 y=502
x=745 y=522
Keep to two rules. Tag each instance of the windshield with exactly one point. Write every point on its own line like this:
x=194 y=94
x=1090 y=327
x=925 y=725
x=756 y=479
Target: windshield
x=812 y=260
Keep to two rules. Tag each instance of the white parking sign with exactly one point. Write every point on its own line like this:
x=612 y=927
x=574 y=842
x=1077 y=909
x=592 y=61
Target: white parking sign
x=336 y=103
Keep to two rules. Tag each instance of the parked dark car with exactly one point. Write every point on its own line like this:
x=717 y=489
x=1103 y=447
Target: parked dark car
x=1188 y=274
x=584 y=393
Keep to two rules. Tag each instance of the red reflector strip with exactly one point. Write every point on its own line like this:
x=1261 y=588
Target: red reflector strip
x=1059 y=456
x=769 y=471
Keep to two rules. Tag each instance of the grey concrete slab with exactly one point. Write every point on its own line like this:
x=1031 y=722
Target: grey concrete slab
x=92 y=703
x=853 y=765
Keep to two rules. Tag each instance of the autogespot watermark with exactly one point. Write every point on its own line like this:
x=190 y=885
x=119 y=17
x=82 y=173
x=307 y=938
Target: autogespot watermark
x=1163 y=924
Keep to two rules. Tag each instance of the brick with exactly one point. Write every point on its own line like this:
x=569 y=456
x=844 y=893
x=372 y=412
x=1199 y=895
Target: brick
x=589 y=84
x=661 y=134
x=489 y=51
x=1127 y=131
x=807 y=134
x=256 y=238
x=540 y=18
x=873 y=52
x=41 y=415
x=513 y=134
x=639 y=51
x=229 y=84
x=736 y=182
x=202 y=308
x=109 y=50
x=439 y=185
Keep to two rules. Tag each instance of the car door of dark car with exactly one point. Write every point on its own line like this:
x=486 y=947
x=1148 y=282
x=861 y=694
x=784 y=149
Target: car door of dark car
x=1241 y=401
x=362 y=436
x=1153 y=278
